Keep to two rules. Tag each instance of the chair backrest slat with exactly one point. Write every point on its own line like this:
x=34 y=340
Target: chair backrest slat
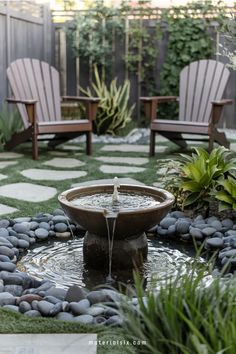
x=33 y=79
x=201 y=82
x=199 y=85
x=183 y=89
x=56 y=91
x=15 y=83
x=192 y=76
x=48 y=90
x=32 y=82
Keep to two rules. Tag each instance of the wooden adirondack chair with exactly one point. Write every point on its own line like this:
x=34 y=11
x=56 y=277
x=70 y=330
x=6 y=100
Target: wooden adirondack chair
x=201 y=88
x=36 y=92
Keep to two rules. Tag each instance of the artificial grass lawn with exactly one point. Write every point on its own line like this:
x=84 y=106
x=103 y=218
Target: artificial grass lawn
x=11 y=322
x=91 y=166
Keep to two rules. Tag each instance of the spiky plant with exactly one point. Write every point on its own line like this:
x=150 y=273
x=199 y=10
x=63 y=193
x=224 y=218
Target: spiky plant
x=114 y=111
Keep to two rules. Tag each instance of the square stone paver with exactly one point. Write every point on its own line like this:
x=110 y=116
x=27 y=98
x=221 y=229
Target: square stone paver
x=5 y=209
x=120 y=169
x=108 y=181
x=2 y=176
x=4 y=164
x=52 y=343
x=58 y=153
x=123 y=160
x=126 y=148
x=233 y=146
x=27 y=192
x=63 y=162
x=10 y=155
x=72 y=147
x=51 y=175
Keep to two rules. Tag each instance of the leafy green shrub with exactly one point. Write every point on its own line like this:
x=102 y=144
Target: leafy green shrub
x=200 y=173
x=113 y=110
x=184 y=316
x=226 y=193
x=10 y=123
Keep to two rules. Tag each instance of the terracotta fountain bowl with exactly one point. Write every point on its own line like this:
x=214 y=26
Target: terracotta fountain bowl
x=129 y=222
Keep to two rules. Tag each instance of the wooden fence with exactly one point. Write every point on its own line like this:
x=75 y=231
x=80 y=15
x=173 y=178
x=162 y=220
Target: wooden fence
x=25 y=31
x=75 y=73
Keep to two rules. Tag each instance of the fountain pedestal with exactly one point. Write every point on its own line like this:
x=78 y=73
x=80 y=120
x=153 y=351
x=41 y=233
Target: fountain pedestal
x=126 y=253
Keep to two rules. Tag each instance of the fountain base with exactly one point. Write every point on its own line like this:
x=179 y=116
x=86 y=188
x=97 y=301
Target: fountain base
x=126 y=253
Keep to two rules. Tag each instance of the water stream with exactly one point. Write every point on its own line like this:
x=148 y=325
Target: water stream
x=111 y=226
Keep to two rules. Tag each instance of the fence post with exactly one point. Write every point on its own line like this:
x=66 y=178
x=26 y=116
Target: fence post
x=47 y=29
x=77 y=66
x=62 y=60
x=8 y=35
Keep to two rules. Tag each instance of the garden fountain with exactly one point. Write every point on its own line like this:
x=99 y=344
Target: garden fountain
x=115 y=223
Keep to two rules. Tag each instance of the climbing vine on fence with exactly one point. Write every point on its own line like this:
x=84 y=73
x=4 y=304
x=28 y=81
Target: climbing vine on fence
x=92 y=34
x=190 y=38
x=189 y=31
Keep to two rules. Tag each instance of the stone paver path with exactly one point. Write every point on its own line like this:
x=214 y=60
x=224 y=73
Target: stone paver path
x=233 y=146
x=4 y=164
x=64 y=162
x=49 y=343
x=126 y=148
x=2 y=176
x=120 y=169
x=162 y=171
x=51 y=175
x=5 y=209
x=123 y=160
x=72 y=148
x=28 y=192
x=10 y=155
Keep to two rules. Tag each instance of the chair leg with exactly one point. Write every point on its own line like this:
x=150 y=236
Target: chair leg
x=89 y=143
x=152 y=143
x=220 y=138
x=211 y=143
x=34 y=145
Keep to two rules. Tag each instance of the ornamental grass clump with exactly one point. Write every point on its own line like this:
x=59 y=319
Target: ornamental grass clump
x=187 y=315
x=114 y=111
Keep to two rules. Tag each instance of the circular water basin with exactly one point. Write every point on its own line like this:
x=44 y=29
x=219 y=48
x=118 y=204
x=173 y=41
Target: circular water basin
x=62 y=263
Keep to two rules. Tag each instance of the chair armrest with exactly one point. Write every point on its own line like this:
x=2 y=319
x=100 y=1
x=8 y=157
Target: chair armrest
x=30 y=106
x=159 y=98
x=217 y=108
x=80 y=99
x=19 y=100
x=150 y=104
x=91 y=104
x=222 y=102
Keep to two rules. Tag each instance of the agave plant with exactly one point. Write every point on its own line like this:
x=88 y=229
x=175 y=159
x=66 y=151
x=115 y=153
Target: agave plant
x=227 y=193
x=201 y=171
x=114 y=111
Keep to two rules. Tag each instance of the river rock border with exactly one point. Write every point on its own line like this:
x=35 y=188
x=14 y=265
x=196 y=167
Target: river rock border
x=22 y=293
x=216 y=235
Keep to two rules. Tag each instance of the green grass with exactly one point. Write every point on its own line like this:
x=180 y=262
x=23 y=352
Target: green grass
x=11 y=322
x=91 y=166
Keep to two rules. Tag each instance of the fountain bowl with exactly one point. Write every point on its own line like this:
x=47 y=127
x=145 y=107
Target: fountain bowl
x=129 y=222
